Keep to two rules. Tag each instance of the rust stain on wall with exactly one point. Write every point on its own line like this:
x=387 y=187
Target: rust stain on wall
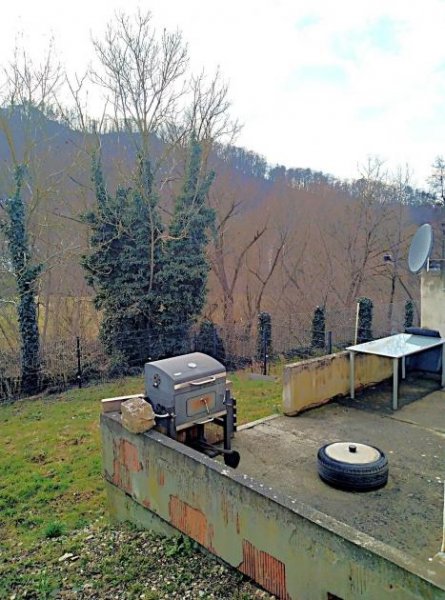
x=117 y=479
x=265 y=569
x=190 y=521
x=225 y=509
x=161 y=478
x=129 y=456
x=125 y=461
x=238 y=528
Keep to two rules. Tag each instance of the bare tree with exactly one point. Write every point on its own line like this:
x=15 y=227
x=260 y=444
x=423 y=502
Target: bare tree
x=149 y=91
x=29 y=85
x=307 y=270
x=437 y=179
x=228 y=262
x=356 y=240
x=261 y=268
x=142 y=74
x=396 y=235
x=208 y=115
x=30 y=98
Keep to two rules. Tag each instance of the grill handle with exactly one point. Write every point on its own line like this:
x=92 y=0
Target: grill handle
x=203 y=381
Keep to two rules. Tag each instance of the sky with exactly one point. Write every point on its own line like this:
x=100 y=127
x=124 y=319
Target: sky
x=316 y=83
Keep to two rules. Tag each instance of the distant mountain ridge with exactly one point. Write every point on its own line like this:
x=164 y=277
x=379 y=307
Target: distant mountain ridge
x=51 y=133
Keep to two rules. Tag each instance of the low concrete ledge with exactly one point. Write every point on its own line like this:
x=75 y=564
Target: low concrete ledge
x=313 y=382
x=290 y=549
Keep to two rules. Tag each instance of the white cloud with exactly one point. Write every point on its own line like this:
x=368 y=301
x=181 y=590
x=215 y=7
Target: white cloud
x=319 y=84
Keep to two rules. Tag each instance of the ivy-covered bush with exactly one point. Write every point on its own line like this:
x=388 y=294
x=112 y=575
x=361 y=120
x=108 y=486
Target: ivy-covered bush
x=209 y=341
x=151 y=284
x=409 y=313
x=264 y=336
x=318 y=328
x=364 y=333
x=26 y=272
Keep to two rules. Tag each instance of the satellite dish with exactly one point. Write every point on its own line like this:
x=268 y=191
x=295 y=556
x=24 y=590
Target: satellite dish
x=421 y=248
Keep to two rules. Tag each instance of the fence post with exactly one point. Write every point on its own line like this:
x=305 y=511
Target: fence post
x=79 y=366
x=264 y=351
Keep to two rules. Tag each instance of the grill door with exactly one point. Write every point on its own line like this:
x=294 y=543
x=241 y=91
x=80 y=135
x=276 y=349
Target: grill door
x=201 y=405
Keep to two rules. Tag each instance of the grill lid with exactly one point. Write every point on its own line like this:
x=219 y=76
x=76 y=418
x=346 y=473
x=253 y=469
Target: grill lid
x=188 y=367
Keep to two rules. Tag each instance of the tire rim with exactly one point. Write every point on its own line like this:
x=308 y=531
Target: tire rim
x=352 y=453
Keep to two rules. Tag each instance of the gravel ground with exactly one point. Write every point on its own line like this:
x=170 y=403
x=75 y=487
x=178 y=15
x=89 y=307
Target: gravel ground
x=119 y=563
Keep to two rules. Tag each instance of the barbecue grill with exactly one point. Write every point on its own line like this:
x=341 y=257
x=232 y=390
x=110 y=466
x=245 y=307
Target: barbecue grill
x=187 y=392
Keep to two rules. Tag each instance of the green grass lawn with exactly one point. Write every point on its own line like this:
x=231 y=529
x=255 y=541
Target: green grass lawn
x=50 y=457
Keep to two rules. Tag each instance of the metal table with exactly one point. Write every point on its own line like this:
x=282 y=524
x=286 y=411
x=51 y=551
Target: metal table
x=396 y=347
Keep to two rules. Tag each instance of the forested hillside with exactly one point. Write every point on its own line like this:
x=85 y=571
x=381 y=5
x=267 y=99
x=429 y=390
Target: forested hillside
x=285 y=240
x=209 y=230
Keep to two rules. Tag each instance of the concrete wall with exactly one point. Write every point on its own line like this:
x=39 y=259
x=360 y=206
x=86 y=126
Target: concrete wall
x=291 y=550
x=432 y=301
x=315 y=381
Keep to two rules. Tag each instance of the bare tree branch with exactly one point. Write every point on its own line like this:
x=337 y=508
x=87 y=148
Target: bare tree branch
x=142 y=74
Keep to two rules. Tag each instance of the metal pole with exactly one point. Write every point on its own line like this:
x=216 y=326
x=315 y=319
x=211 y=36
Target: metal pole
x=443 y=366
x=79 y=366
x=395 y=382
x=443 y=240
x=351 y=375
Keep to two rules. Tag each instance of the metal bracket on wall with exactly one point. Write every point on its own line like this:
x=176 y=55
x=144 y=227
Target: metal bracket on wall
x=435 y=265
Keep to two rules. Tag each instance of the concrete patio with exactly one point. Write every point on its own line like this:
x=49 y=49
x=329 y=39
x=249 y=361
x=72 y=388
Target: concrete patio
x=407 y=513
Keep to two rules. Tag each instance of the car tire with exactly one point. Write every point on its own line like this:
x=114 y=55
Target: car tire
x=352 y=466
